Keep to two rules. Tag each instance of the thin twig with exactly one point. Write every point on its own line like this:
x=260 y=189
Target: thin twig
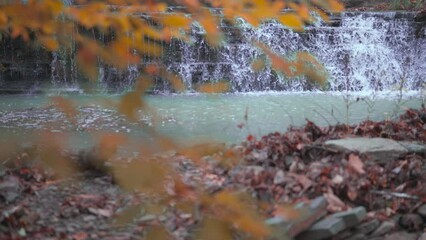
x=396 y=194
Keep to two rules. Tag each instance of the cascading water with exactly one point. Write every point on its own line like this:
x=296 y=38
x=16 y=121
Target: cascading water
x=361 y=52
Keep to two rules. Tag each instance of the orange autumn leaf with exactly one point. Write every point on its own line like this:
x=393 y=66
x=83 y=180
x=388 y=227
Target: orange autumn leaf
x=129 y=105
x=176 y=21
x=219 y=87
x=336 y=6
x=157 y=232
x=87 y=62
x=287 y=212
x=175 y=81
x=109 y=143
x=231 y=207
x=214 y=229
x=142 y=175
x=277 y=62
x=258 y=65
x=49 y=42
x=66 y=106
x=291 y=20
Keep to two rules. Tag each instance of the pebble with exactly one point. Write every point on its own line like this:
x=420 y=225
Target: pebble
x=422 y=237
x=384 y=228
x=411 y=222
x=358 y=236
x=422 y=210
x=402 y=236
x=368 y=227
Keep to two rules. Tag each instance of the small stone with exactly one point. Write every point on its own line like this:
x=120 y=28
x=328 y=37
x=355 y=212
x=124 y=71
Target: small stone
x=402 y=236
x=255 y=169
x=358 y=236
x=10 y=188
x=89 y=218
x=323 y=229
x=422 y=237
x=367 y=227
x=383 y=229
x=352 y=217
x=422 y=210
x=343 y=235
x=148 y=218
x=411 y=222
x=279 y=177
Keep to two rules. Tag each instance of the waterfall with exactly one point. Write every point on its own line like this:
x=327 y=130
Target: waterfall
x=361 y=52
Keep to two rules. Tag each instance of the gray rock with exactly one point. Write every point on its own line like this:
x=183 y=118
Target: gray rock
x=422 y=237
x=422 y=210
x=279 y=177
x=352 y=217
x=358 y=236
x=367 y=227
x=402 y=236
x=283 y=228
x=10 y=188
x=414 y=147
x=411 y=222
x=380 y=150
x=323 y=229
x=383 y=229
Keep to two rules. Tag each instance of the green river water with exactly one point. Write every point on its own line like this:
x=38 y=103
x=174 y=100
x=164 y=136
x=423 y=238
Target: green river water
x=193 y=118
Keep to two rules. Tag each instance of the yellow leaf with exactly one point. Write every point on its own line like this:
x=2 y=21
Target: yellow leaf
x=258 y=65
x=109 y=143
x=66 y=106
x=176 y=21
x=129 y=105
x=87 y=61
x=336 y=6
x=175 y=81
x=292 y=20
x=156 y=233
x=210 y=24
x=49 y=42
x=3 y=20
x=214 y=229
x=322 y=14
x=147 y=176
x=219 y=87
x=278 y=63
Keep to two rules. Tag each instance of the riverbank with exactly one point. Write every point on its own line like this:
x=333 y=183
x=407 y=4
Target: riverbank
x=384 y=188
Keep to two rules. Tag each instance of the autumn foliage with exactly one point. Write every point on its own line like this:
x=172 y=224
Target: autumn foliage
x=137 y=29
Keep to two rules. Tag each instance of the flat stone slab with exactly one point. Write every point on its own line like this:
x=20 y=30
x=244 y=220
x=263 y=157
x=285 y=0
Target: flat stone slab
x=380 y=150
x=351 y=217
x=309 y=214
x=323 y=229
x=414 y=147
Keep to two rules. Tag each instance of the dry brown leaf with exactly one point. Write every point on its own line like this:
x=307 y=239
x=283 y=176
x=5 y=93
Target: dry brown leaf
x=356 y=164
x=334 y=203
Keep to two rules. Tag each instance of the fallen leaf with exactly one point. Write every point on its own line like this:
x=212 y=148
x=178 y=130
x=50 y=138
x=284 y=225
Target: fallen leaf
x=356 y=164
